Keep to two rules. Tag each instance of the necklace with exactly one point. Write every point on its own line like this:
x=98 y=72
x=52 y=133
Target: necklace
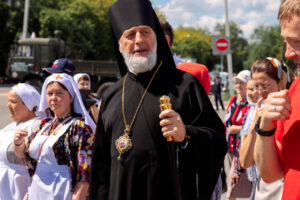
x=123 y=143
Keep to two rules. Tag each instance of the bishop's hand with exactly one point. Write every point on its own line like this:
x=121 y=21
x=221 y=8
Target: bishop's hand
x=172 y=125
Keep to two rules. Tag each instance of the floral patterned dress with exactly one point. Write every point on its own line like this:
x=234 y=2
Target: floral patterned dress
x=73 y=148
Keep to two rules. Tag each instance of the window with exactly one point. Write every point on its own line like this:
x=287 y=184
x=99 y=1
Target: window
x=24 y=51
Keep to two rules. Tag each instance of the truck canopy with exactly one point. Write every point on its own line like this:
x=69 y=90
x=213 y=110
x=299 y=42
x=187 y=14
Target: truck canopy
x=39 y=41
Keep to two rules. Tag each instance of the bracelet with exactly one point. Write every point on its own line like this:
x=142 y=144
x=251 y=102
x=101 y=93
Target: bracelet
x=262 y=132
x=17 y=145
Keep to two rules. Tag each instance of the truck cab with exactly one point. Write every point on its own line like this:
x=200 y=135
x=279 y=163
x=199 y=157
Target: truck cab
x=30 y=55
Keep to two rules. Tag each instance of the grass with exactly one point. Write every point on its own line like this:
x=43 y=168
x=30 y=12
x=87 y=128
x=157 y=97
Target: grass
x=226 y=95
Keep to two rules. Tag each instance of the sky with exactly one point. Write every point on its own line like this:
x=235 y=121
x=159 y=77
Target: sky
x=248 y=14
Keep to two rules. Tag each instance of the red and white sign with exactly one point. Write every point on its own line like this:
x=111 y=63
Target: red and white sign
x=222 y=44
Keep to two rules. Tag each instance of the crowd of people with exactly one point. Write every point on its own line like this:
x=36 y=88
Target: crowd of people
x=269 y=143
x=154 y=133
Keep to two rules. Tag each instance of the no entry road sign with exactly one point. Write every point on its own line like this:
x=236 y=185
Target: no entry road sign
x=221 y=45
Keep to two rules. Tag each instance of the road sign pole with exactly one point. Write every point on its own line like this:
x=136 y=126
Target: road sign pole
x=229 y=58
x=221 y=62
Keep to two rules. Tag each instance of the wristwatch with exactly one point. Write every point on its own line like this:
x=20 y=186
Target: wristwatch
x=262 y=132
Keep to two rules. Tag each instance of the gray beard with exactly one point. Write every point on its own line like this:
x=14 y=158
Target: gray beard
x=140 y=64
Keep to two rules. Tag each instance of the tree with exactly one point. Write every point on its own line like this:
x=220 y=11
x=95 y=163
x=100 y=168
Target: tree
x=10 y=23
x=193 y=43
x=238 y=45
x=84 y=22
x=266 y=42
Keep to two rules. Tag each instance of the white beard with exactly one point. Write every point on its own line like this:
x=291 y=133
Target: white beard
x=140 y=64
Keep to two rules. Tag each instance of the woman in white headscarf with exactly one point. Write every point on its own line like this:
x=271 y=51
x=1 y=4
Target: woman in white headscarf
x=59 y=154
x=23 y=101
x=91 y=102
x=83 y=81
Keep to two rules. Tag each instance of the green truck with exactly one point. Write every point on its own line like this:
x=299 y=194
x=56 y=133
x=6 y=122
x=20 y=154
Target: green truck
x=29 y=56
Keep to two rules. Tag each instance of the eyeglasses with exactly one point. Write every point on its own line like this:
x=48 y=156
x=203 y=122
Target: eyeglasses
x=263 y=88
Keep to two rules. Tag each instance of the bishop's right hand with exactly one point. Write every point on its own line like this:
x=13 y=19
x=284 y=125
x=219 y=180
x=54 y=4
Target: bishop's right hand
x=172 y=125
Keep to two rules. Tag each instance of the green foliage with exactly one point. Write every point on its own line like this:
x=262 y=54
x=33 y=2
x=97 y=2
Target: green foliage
x=266 y=42
x=84 y=22
x=11 y=19
x=264 y=39
x=197 y=43
x=193 y=43
x=4 y=16
x=81 y=21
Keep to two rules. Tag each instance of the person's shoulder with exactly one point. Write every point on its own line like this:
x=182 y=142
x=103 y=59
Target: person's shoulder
x=35 y=123
x=193 y=68
x=80 y=122
x=295 y=87
x=184 y=80
x=178 y=74
x=9 y=126
x=191 y=65
x=113 y=88
x=35 y=120
x=232 y=98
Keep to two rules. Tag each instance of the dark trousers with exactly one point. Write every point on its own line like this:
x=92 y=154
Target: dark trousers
x=218 y=97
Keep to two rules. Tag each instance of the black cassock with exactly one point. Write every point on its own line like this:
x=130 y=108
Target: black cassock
x=144 y=171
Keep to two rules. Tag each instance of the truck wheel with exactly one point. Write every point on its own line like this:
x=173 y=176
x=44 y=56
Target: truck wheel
x=36 y=83
x=102 y=88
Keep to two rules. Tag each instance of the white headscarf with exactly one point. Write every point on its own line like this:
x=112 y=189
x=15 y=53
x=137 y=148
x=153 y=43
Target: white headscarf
x=29 y=95
x=79 y=75
x=72 y=88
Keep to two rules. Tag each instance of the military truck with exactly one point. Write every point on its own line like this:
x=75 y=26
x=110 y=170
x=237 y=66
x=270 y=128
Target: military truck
x=29 y=56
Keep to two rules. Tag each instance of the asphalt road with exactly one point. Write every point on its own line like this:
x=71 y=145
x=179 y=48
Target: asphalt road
x=4 y=113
